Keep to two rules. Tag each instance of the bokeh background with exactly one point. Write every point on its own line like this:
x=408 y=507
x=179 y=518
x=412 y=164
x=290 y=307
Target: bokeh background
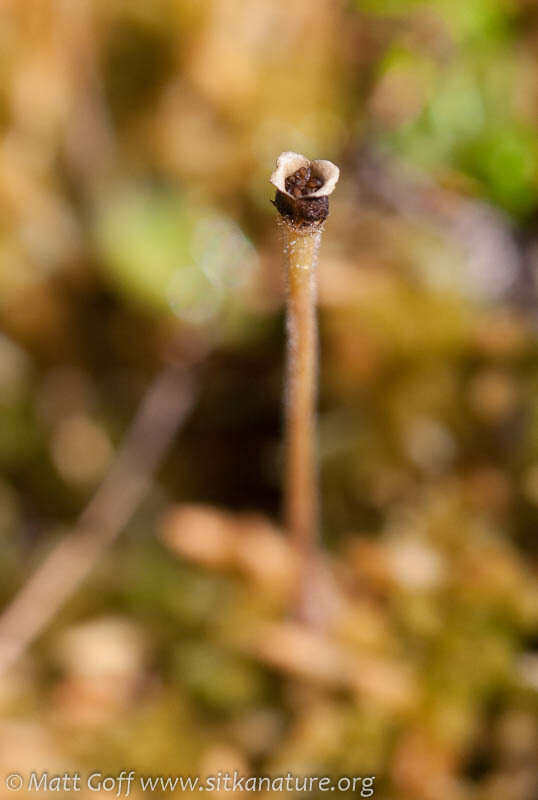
x=136 y=141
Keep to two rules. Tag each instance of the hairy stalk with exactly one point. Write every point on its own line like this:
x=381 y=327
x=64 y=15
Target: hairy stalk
x=301 y=492
x=302 y=200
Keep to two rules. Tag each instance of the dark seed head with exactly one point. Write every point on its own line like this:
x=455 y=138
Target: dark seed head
x=303 y=212
x=302 y=182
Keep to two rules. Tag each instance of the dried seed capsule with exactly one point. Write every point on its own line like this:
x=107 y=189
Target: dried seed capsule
x=303 y=189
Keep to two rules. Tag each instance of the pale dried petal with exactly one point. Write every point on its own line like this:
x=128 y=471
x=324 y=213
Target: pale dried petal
x=288 y=163
x=330 y=174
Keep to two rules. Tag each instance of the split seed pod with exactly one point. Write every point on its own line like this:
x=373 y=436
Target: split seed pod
x=303 y=189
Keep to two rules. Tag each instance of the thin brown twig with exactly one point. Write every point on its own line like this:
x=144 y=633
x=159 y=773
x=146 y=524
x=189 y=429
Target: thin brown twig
x=161 y=412
x=302 y=200
x=301 y=490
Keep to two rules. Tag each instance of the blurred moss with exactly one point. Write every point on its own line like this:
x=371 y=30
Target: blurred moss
x=137 y=142
x=144 y=237
x=223 y=682
x=506 y=159
x=137 y=60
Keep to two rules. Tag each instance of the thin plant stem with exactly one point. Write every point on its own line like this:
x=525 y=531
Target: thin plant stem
x=302 y=201
x=301 y=490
